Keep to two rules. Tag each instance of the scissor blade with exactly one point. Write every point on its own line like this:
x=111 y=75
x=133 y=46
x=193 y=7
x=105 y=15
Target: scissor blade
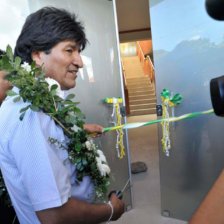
x=125 y=186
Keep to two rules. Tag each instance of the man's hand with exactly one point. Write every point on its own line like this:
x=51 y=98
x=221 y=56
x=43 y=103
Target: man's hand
x=93 y=128
x=118 y=205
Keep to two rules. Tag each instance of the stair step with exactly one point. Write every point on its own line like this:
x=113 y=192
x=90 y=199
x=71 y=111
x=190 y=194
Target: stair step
x=147 y=95
x=141 y=86
x=139 y=78
x=141 y=96
x=143 y=106
x=132 y=76
x=142 y=112
x=132 y=72
x=138 y=81
x=142 y=101
x=140 y=91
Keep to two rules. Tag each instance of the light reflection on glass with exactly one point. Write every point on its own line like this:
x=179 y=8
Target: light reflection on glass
x=87 y=68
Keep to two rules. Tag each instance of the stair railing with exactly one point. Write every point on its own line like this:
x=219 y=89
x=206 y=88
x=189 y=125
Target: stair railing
x=125 y=90
x=124 y=75
x=147 y=66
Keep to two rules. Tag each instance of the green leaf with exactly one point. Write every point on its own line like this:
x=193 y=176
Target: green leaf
x=78 y=160
x=34 y=108
x=70 y=119
x=9 y=53
x=5 y=64
x=17 y=61
x=37 y=99
x=67 y=108
x=78 y=147
x=70 y=96
x=33 y=65
x=104 y=189
x=11 y=93
x=84 y=161
x=79 y=166
x=68 y=102
x=59 y=106
x=54 y=87
x=22 y=116
x=41 y=75
x=77 y=110
x=53 y=92
x=7 y=77
x=67 y=119
x=93 y=166
x=24 y=109
x=107 y=183
x=17 y=99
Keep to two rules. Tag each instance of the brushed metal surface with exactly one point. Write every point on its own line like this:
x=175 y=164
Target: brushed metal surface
x=188 y=51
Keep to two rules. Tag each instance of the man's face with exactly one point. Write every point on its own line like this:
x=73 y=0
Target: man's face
x=62 y=63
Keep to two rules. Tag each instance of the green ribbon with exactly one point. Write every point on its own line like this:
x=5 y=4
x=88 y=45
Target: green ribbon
x=175 y=100
x=165 y=93
x=171 y=119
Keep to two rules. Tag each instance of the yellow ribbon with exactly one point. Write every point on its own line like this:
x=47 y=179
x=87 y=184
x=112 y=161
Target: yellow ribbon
x=120 y=142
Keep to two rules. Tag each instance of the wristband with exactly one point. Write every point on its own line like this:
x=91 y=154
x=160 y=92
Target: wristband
x=112 y=211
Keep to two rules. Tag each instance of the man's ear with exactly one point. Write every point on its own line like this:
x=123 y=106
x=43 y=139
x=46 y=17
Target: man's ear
x=37 y=57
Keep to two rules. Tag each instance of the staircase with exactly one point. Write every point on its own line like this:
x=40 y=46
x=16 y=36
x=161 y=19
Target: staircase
x=142 y=99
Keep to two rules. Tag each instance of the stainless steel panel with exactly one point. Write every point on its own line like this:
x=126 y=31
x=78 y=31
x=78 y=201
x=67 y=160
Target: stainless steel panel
x=101 y=75
x=188 y=51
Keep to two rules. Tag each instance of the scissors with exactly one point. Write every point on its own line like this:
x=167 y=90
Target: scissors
x=119 y=193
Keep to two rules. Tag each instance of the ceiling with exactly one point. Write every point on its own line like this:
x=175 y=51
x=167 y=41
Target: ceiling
x=132 y=14
x=133 y=20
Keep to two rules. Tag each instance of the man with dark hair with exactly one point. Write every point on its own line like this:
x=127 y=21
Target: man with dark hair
x=41 y=186
x=46 y=28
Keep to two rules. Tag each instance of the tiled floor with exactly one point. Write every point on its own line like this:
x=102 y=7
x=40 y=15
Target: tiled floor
x=143 y=144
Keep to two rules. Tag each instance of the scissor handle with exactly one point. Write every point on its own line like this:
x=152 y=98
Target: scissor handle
x=117 y=192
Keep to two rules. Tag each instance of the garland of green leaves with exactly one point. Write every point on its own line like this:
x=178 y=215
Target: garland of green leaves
x=33 y=88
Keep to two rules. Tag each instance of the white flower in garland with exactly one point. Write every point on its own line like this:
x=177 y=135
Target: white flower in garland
x=52 y=82
x=26 y=67
x=100 y=159
x=101 y=156
x=101 y=164
x=103 y=168
x=90 y=145
x=75 y=128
